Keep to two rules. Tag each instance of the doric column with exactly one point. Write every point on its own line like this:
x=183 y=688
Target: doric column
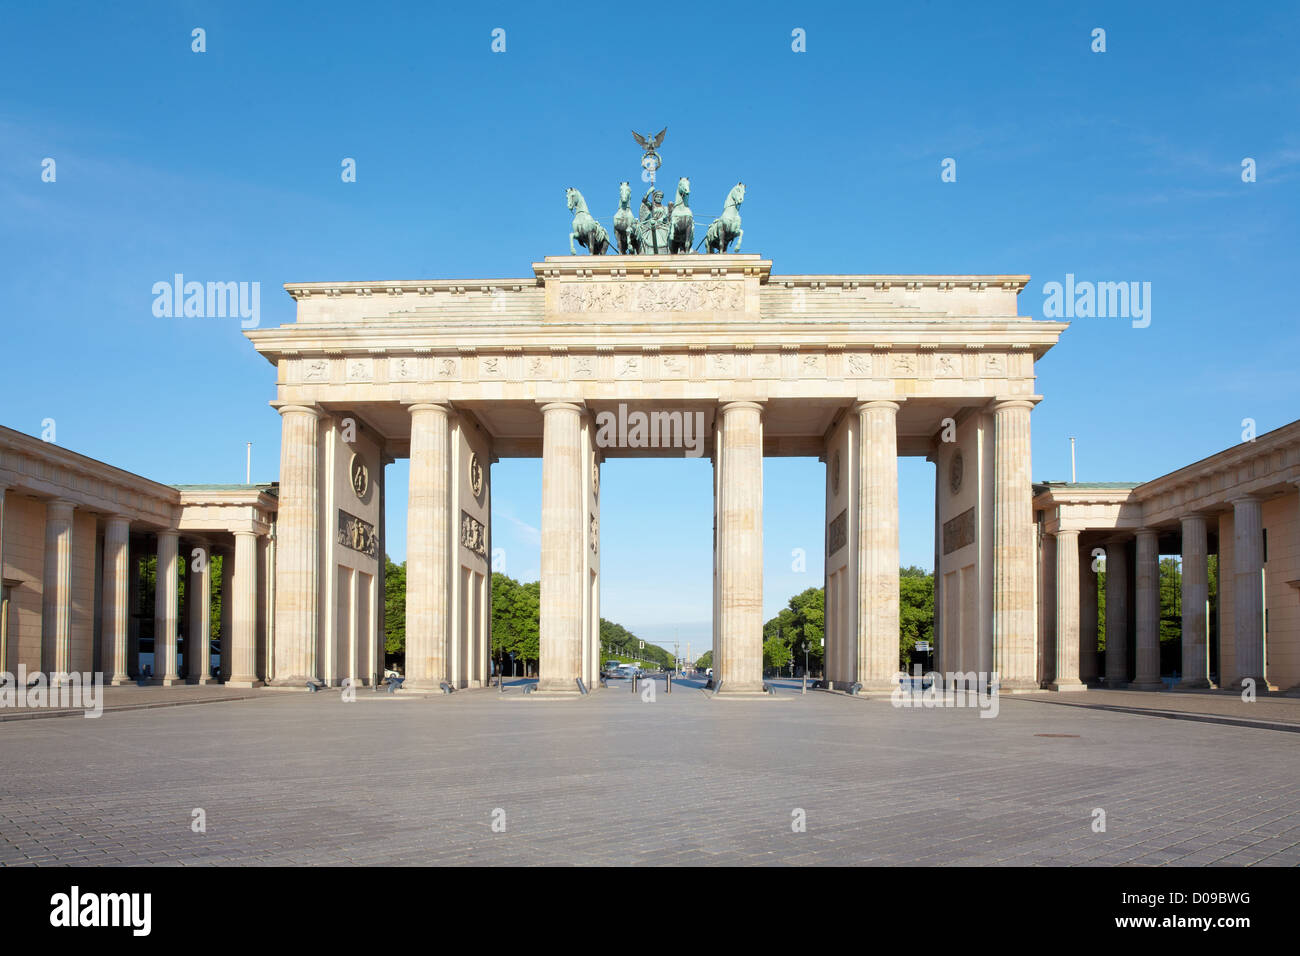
x=56 y=596
x=240 y=643
x=1116 y=615
x=296 y=596
x=266 y=603
x=1196 y=592
x=877 y=665
x=428 y=554
x=113 y=631
x=738 y=654
x=563 y=494
x=1147 y=575
x=1248 y=590
x=199 y=646
x=166 y=609
x=1014 y=637
x=1087 y=619
x=1067 y=612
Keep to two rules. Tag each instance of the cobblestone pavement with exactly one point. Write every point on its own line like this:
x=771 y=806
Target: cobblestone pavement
x=611 y=779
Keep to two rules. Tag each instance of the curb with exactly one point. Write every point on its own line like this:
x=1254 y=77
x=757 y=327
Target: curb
x=1177 y=715
x=40 y=714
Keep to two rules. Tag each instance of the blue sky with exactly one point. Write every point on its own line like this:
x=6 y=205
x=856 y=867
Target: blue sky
x=1123 y=165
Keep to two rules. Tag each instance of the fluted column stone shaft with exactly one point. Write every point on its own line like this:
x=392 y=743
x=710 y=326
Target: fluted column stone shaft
x=1196 y=592
x=56 y=595
x=739 y=657
x=1067 y=612
x=1116 y=615
x=241 y=644
x=166 y=608
x=297 y=591
x=877 y=665
x=114 y=628
x=1248 y=591
x=563 y=540
x=428 y=551
x=1147 y=618
x=1014 y=627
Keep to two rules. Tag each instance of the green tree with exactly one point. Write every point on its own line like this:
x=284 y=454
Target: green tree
x=705 y=661
x=915 y=610
x=394 y=607
x=802 y=620
x=516 y=616
x=776 y=653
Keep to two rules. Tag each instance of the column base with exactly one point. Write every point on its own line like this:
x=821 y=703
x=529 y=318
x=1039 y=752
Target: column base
x=1115 y=685
x=245 y=683
x=882 y=685
x=557 y=688
x=421 y=684
x=732 y=688
x=1067 y=687
x=1018 y=685
x=119 y=681
x=200 y=681
x=1147 y=685
x=1194 y=683
x=297 y=680
x=169 y=681
x=1262 y=685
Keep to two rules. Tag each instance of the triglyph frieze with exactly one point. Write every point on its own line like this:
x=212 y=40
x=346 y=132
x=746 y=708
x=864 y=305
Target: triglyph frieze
x=742 y=364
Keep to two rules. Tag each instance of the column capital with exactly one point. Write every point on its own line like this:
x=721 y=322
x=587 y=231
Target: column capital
x=1000 y=403
x=549 y=405
x=868 y=404
x=60 y=508
x=1244 y=499
x=1144 y=532
x=727 y=406
x=1063 y=532
x=287 y=408
x=1193 y=516
x=445 y=407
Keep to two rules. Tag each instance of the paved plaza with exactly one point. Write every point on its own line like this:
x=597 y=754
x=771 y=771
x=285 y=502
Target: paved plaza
x=297 y=778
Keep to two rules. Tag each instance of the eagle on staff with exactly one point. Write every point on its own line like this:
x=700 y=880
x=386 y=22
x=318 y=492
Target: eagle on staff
x=650 y=144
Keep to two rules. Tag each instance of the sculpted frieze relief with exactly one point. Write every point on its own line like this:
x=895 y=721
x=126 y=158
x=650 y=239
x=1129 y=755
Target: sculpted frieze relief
x=663 y=296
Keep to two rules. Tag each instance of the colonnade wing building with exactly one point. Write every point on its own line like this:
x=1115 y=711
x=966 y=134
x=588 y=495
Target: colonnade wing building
x=93 y=558
x=1236 y=512
x=457 y=374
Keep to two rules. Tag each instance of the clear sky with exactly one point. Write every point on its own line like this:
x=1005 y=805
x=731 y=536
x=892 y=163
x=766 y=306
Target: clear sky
x=225 y=165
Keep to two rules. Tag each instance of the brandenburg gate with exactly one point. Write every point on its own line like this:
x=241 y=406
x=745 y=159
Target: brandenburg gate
x=457 y=374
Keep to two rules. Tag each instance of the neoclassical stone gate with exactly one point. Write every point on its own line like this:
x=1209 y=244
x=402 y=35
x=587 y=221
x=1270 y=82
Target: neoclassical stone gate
x=456 y=374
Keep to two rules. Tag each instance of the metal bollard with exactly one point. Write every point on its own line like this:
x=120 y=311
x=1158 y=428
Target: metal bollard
x=668 y=681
